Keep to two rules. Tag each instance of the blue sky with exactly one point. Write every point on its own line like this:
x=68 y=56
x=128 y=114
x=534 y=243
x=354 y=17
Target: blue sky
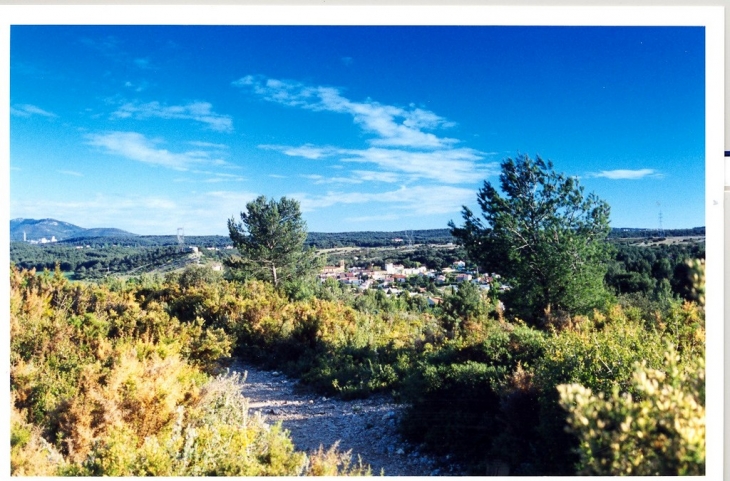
x=151 y=128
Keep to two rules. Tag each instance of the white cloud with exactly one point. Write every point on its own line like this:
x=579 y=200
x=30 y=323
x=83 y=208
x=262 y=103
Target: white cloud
x=372 y=175
x=320 y=179
x=138 y=87
x=308 y=151
x=197 y=111
x=402 y=146
x=392 y=126
x=372 y=218
x=70 y=172
x=625 y=174
x=411 y=201
x=209 y=145
x=27 y=110
x=208 y=177
x=135 y=146
x=452 y=166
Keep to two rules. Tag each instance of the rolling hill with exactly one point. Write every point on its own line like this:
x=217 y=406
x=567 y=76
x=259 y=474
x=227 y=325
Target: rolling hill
x=37 y=229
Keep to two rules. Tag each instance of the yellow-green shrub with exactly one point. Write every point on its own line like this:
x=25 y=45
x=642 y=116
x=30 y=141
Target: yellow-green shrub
x=658 y=431
x=30 y=454
x=134 y=392
x=214 y=436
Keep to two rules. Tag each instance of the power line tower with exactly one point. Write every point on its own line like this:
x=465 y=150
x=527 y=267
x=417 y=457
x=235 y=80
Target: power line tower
x=409 y=237
x=661 y=229
x=181 y=238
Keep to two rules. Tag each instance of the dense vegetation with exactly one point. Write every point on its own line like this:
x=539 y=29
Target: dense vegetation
x=87 y=261
x=602 y=376
x=327 y=240
x=480 y=387
x=104 y=381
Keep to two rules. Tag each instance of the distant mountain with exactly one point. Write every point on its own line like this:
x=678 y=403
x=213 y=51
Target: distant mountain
x=38 y=229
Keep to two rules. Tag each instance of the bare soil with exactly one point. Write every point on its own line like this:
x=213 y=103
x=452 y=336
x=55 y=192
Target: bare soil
x=367 y=428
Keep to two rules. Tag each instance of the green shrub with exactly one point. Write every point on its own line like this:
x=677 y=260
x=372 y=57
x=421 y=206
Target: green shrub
x=456 y=393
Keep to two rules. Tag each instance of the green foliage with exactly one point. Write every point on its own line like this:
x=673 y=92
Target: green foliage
x=270 y=238
x=328 y=240
x=658 y=430
x=456 y=394
x=94 y=262
x=465 y=308
x=30 y=453
x=643 y=269
x=544 y=236
x=599 y=352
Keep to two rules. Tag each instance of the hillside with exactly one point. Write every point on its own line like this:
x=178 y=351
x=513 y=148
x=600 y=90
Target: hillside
x=37 y=229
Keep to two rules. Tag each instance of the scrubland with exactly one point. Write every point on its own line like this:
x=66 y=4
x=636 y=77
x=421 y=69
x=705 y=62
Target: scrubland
x=129 y=377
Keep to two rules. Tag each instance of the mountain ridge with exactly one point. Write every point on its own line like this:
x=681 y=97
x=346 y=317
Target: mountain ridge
x=38 y=229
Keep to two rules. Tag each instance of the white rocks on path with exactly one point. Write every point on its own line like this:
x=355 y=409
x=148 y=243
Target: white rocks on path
x=366 y=426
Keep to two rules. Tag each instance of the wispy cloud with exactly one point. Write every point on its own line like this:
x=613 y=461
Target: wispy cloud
x=112 y=48
x=197 y=111
x=137 y=87
x=308 y=151
x=203 y=214
x=143 y=63
x=214 y=177
x=70 y=172
x=135 y=146
x=391 y=125
x=108 y=46
x=408 y=201
x=372 y=218
x=209 y=145
x=403 y=146
x=625 y=174
x=321 y=179
x=372 y=175
x=27 y=110
x=451 y=166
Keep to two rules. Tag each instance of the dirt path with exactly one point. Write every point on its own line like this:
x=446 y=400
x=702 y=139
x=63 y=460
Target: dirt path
x=367 y=427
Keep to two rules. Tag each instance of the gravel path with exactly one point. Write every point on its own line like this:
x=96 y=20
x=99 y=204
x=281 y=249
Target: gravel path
x=366 y=426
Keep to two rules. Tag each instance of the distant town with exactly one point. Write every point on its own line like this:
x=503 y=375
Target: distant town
x=394 y=279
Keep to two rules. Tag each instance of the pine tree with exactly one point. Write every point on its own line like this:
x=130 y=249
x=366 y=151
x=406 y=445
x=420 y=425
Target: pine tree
x=543 y=236
x=270 y=238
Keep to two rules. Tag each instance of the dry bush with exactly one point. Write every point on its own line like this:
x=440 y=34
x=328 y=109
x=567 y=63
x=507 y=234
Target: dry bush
x=139 y=391
x=30 y=454
x=332 y=462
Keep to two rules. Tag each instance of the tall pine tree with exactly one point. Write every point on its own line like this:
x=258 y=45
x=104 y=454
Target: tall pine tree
x=270 y=238
x=543 y=235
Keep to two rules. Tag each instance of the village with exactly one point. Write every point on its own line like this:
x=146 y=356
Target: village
x=394 y=279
